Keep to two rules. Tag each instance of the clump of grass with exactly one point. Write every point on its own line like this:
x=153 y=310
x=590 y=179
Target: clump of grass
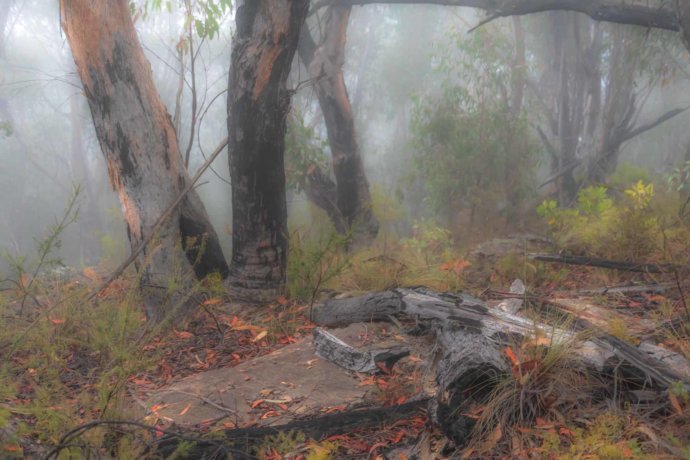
x=545 y=383
x=314 y=260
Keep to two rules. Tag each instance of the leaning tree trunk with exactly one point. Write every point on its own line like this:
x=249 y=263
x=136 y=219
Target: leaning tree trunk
x=325 y=64
x=141 y=150
x=258 y=102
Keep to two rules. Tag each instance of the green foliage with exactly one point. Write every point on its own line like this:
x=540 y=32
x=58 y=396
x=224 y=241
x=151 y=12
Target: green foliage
x=627 y=229
x=679 y=179
x=472 y=150
x=282 y=443
x=428 y=237
x=205 y=15
x=427 y=258
x=314 y=260
x=303 y=151
x=627 y=174
x=610 y=436
x=6 y=129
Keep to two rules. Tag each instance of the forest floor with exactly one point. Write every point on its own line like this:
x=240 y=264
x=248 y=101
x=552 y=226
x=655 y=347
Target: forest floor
x=70 y=366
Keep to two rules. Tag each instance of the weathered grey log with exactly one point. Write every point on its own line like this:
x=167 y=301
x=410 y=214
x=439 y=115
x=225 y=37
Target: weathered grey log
x=513 y=304
x=370 y=307
x=331 y=348
x=496 y=325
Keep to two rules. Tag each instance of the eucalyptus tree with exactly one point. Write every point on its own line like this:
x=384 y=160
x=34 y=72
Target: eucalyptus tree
x=347 y=201
x=141 y=150
x=265 y=43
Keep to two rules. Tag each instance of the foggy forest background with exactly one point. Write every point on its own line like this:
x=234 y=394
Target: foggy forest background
x=414 y=74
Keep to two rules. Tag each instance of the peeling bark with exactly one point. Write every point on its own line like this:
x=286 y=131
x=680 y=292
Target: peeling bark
x=258 y=102
x=325 y=64
x=141 y=150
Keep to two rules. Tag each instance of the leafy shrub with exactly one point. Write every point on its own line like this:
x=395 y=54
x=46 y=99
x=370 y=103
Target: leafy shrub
x=627 y=229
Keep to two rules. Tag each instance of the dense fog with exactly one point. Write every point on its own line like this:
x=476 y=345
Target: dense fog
x=420 y=81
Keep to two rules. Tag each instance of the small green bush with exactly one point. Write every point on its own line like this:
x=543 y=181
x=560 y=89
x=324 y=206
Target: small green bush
x=628 y=228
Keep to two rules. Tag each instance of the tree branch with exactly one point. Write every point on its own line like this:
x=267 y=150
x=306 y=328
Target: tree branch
x=644 y=128
x=598 y=10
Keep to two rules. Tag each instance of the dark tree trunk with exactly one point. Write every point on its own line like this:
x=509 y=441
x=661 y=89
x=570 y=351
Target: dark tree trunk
x=141 y=150
x=325 y=64
x=258 y=102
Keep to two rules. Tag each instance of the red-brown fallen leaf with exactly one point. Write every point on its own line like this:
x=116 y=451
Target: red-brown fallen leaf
x=338 y=437
x=236 y=356
x=541 y=423
x=186 y=409
x=260 y=336
x=140 y=381
x=257 y=403
x=24 y=280
x=11 y=447
x=287 y=339
x=182 y=334
x=282 y=300
x=333 y=409
x=398 y=437
x=675 y=403
x=269 y=414
x=57 y=321
x=400 y=399
x=212 y=301
x=511 y=356
x=367 y=381
x=282 y=406
x=565 y=432
x=372 y=449
x=229 y=425
x=356 y=444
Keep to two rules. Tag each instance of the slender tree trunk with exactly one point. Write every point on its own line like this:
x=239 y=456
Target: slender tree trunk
x=258 y=102
x=325 y=64
x=141 y=150
x=618 y=110
x=683 y=9
x=518 y=71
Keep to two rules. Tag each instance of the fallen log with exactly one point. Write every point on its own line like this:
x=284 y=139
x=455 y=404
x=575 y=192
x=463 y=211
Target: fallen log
x=471 y=358
x=462 y=312
x=331 y=348
x=241 y=443
x=610 y=264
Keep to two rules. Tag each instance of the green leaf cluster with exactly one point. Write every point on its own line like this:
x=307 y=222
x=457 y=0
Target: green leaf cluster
x=628 y=228
x=472 y=151
x=304 y=150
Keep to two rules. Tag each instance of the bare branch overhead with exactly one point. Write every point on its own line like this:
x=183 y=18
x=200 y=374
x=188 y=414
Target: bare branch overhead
x=600 y=10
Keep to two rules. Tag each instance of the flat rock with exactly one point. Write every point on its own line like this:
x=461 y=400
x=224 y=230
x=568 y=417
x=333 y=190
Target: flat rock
x=292 y=381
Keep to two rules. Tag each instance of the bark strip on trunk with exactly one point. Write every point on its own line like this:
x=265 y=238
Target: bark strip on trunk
x=325 y=64
x=258 y=102
x=141 y=150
